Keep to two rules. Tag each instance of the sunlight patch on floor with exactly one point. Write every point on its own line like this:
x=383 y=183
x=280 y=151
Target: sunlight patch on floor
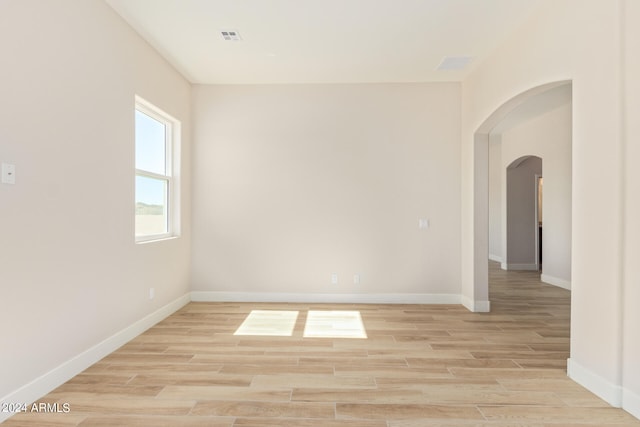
x=277 y=323
x=334 y=324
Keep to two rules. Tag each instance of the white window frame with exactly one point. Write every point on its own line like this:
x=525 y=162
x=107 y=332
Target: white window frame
x=172 y=144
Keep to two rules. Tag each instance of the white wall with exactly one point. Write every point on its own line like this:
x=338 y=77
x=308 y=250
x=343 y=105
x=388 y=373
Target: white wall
x=631 y=321
x=570 y=40
x=496 y=252
x=294 y=183
x=520 y=216
x=548 y=136
x=71 y=275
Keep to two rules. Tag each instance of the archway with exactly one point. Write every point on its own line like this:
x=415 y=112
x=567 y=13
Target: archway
x=523 y=219
x=481 y=188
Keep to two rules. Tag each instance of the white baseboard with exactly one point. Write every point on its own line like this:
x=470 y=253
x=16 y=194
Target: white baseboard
x=631 y=402
x=561 y=283
x=44 y=384
x=212 y=296
x=476 y=306
x=496 y=258
x=527 y=267
x=610 y=393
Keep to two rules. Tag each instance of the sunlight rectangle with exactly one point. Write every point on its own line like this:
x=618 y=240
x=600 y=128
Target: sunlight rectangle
x=334 y=324
x=268 y=323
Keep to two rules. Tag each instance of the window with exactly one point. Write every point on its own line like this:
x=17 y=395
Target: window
x=156 y=197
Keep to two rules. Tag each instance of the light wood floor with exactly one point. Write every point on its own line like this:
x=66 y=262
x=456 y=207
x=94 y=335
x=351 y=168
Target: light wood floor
x=420 y=366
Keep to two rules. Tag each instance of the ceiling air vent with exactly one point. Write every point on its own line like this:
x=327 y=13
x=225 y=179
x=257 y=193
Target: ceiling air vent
x=454 y=63
x=230 y=35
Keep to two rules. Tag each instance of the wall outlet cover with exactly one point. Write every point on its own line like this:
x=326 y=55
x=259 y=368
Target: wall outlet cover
x=8 y=173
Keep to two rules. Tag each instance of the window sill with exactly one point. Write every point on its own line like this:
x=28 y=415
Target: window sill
x=146 y=240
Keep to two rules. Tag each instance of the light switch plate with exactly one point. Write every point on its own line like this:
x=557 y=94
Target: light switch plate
x=8 y=173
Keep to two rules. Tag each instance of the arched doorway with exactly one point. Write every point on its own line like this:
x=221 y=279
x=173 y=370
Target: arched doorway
x=508 y=112
x=523 y=216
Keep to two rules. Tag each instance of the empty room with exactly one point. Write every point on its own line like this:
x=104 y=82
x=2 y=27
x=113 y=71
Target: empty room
x=319 y=213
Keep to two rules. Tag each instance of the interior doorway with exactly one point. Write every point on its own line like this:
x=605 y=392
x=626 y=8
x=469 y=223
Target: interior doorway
x=539 y=198
x=540 y=100
x=523 y=214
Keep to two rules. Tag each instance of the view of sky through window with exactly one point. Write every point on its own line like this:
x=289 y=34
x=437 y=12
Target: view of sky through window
x=151 y=191
x=152 y=181
x=150 y=157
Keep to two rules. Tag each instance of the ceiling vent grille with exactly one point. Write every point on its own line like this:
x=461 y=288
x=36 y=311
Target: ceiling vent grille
x=454 y=63
x=230 y=35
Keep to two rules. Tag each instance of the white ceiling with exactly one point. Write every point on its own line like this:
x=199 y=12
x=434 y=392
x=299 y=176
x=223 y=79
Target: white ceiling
x=323 y=41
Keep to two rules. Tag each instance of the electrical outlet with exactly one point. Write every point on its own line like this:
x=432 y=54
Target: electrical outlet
x=334 y=278
x=8 y=173
x=356 y=279
x=152 y=293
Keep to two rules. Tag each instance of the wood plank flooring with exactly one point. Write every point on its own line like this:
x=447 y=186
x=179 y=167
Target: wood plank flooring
x=436 y=365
